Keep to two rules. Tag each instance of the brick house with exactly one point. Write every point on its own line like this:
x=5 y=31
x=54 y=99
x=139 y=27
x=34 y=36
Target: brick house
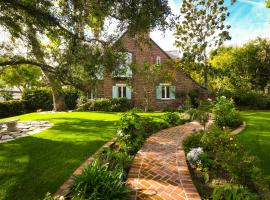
x=165 y=94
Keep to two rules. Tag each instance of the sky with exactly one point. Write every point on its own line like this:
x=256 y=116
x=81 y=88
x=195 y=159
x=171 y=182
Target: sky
x=249 y=19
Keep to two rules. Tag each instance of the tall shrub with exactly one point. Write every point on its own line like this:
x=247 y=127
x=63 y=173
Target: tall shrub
x=226 y=114
x=37 y=99
x=11 y=108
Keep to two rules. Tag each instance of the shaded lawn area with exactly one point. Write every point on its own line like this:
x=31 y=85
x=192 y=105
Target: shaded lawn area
x=32 y=166
x=256 y=136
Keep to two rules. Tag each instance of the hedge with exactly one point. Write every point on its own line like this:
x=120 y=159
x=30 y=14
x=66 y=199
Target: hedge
x=11 y=108
x=106 y=105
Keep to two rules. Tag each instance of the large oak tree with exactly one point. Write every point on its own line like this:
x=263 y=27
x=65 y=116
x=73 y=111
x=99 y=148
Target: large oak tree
x=70 y=40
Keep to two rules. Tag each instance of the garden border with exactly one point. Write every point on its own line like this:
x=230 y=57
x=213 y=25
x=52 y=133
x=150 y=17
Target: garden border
x=65 y=188
x=239 y=129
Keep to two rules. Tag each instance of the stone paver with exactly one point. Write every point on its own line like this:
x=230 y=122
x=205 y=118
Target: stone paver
x=23 y=129
x=159 y=170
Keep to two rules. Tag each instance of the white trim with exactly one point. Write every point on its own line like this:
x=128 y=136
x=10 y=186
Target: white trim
x=158 y=60
x=165 y=85
x=121 y=85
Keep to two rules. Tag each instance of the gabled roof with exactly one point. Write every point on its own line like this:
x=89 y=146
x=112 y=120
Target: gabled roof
x=167 y=53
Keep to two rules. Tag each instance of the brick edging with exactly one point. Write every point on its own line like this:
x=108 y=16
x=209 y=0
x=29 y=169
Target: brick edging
x=239 y=129
x=64 y=189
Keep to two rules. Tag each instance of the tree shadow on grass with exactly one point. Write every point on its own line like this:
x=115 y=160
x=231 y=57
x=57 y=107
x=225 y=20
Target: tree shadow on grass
x=32 y=166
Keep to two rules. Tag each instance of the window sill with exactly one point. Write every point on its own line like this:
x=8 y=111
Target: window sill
x=166 y=99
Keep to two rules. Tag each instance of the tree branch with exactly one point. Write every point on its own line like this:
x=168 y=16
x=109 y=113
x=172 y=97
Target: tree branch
x=43 y=66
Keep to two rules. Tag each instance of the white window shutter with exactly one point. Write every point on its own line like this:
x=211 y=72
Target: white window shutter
x=129 y=72
x=128 y=92
x=172 y=92
x=114 y=92
x=158 y=92
x=129 y=58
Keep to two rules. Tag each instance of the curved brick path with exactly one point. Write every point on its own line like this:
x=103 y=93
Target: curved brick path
x=159 y=170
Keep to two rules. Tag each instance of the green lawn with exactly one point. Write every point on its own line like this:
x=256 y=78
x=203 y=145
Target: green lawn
x=256 y=137
x=34 y=165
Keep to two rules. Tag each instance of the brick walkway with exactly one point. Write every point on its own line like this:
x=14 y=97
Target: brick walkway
x=159 y=170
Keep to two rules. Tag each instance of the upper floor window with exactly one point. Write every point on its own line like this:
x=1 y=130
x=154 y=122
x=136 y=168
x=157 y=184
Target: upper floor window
x=158 y=60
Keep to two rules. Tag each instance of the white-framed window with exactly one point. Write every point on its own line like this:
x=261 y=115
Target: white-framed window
x=158 y=60
x=165 y=91
x=121 y=91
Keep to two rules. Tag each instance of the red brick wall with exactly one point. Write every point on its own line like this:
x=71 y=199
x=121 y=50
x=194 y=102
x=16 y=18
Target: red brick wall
x=183 y=83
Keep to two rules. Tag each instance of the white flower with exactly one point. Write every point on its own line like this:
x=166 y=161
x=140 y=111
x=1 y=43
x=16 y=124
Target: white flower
x=194 y=154
x=120 y=133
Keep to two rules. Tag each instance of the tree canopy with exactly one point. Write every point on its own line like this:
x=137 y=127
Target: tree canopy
x=246 y=67
x=201 y=28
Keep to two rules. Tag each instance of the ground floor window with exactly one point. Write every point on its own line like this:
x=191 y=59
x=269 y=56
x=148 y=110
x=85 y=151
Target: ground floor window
x=92 y=94
x=121 y=91
x=165 y=92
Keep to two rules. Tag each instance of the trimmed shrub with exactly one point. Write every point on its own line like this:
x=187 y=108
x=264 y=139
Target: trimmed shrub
x=249 y=99
x=103 y=104
x=71 y=97
x=11 y=108
x=225 y=113
x=172 y=118
x=37 y=99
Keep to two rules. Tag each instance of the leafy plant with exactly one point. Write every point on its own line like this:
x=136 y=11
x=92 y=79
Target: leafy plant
x=226 y=114
x=172 y=118
x=97 y=182
x=233 y=192
x=115 y=160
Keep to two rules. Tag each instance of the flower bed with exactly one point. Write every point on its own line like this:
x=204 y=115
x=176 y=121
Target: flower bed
x=220 y=166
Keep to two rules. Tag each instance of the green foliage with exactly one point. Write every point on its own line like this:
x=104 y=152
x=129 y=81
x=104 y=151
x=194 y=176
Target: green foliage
x=11 y=108
x=98 y=182
x=7 y=95
x=37 y=99
x=233 y=192
x=192 y=141
x=226 y=158
x=242 y=68
x=115 y=160
x=71 y=97
x=193 y=97
x=225 y=113
x=250 y=99
x=23 y=76
x=107 y=105
x=172 y=118
x=194 y=35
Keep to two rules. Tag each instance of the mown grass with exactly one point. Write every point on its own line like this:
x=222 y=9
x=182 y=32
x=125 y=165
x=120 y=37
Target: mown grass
x=256 y=136
x=32 y=166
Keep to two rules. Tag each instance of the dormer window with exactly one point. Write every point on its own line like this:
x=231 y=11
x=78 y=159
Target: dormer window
x=158 y=60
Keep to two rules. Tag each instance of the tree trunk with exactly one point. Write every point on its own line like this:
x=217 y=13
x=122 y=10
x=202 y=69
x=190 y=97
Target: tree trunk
x=57 y=92
x=205 y=76
x=58 y=101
